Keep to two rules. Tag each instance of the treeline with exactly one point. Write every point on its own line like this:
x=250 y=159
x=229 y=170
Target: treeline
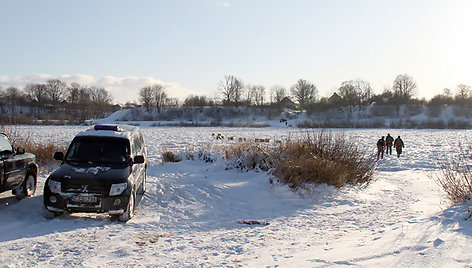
x=54 y=100
x=303 y=95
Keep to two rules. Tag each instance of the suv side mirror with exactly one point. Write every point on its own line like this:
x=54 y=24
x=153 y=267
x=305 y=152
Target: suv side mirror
x=139 y=159
x=59 y=156
x=20 y=150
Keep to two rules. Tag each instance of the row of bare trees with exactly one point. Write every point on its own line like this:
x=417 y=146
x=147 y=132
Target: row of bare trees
x=83 y=102
x=56 y=97
x=461 y=96
x=351 y=93
x=234 y=92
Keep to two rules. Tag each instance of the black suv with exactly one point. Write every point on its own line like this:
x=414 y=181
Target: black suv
x=102 y=171
x=18 y=170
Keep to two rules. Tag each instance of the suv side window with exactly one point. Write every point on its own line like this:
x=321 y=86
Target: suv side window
x=141 y=140
x=136 y=144
x=5 y=144
x=134 y=148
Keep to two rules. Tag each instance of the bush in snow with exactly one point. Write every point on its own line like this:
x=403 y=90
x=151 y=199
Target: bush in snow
x=322 y=158
x=44 y=152
x=248 y=156
x=455 y=176
x=170 y=157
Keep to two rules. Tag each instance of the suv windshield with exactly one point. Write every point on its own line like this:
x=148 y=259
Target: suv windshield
x=103 y=151
x=5 y=146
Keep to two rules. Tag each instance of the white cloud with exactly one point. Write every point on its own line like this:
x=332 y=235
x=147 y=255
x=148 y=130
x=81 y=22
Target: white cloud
x=122 y=89
x=127 y=88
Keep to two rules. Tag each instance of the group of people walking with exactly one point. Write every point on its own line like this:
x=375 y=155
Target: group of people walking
x=386 y=143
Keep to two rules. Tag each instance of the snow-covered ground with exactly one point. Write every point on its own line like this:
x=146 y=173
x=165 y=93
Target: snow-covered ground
x=191 y=211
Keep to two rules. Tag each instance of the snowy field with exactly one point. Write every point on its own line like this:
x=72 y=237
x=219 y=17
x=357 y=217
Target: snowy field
x=189 y=215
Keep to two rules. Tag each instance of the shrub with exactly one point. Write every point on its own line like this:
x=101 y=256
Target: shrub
x=44 y=152
x=455 y=176
x=322 y=158
x=170 y=157
x=248 y=156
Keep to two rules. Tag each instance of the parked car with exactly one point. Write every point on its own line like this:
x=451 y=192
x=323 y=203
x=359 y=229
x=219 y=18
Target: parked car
x=102 y=171
x=18 y=170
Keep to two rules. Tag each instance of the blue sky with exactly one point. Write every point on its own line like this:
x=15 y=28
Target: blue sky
x=190 y=45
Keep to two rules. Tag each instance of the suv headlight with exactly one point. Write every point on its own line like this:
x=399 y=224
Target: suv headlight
x=55 y=186
x=118 y=188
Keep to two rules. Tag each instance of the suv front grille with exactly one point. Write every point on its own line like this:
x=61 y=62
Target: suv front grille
x=102 y=189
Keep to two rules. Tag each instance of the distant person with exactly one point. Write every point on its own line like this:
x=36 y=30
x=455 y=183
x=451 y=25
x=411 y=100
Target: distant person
x=389 y=143
x=380 y=148
x=398 y=144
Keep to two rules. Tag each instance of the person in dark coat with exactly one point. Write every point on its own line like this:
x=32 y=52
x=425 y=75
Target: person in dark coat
x=389 y=143
x=399 y=145
x=380 y=147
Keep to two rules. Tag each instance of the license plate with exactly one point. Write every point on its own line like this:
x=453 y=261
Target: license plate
x=84 y=199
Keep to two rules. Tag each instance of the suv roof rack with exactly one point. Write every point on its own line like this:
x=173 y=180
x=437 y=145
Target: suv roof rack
x=106 y=127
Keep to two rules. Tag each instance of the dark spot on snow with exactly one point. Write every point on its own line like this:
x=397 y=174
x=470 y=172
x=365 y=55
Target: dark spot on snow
x=438 y=242
x=253 y=222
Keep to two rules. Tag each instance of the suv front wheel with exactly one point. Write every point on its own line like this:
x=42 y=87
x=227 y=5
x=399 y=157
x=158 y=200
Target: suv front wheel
x=142 y=188
x=27 y=188
x=129 y=212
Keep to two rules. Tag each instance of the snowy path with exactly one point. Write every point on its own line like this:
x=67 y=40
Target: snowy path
x=189 y=216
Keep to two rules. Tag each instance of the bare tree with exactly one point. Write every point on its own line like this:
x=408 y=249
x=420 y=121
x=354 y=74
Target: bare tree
x=403 y=87
x=37 y=92
x=355 y=92
x=249 y=95
x=78 y=97
x=159 y=95
x=349 y=93
x=364 y=90
x=146 y=98
x=200 y=101
x=259 y=95
x=55 y=89
x=73 y=92
x=100 y=96
x=171 y=102
x=305 y=92
x=279 y=93
x=84 y=102
x=231 y=88
x=12 y=95
x=447 y=92
x=100 y=99
x=463 y=92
